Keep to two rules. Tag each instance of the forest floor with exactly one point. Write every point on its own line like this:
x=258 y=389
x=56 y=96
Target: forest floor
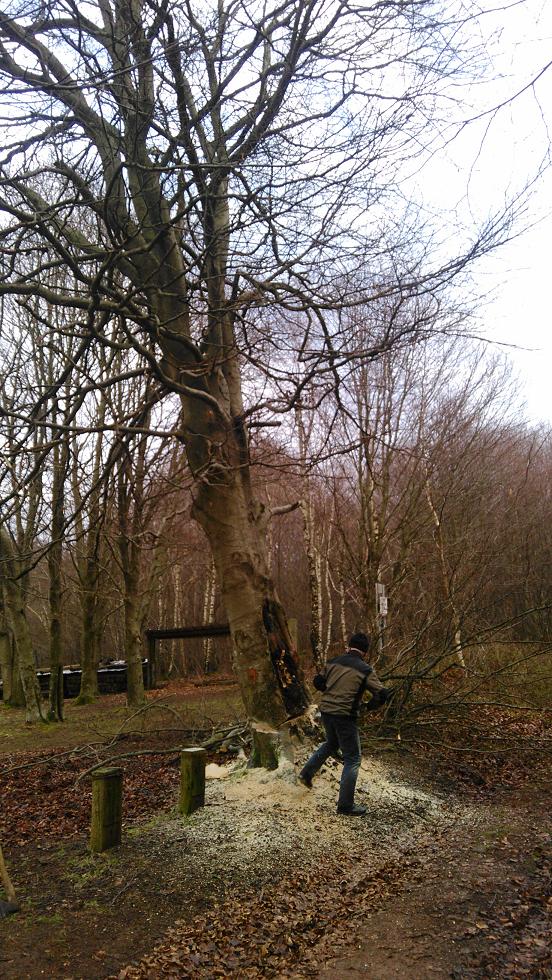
x=449 y=875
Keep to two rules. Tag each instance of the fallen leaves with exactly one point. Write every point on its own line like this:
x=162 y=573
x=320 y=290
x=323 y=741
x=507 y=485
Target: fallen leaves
x=266 y=934
x=40 y=804
x=520 y=935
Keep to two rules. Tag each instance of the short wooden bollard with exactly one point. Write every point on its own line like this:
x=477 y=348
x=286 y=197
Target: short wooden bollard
x=107 y=809
x=192 y=780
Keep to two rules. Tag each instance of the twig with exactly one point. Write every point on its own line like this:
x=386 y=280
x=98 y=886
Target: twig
x=49 y=758
x=124 y=889
x=210 y=743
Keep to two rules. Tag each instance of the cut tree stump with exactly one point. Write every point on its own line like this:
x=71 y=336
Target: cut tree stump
x=270 y=748
x=192 y=780
x=107 y=809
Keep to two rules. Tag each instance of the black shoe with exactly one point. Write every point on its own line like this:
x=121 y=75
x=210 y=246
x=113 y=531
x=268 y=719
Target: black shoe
x=353 y=811
x=305 y=780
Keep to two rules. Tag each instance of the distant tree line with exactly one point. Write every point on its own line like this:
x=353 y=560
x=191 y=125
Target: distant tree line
x=415 y=471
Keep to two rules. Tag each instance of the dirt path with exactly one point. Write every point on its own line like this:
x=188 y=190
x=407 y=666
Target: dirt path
x=426 y=886
x=266 y=881
x=478 y=905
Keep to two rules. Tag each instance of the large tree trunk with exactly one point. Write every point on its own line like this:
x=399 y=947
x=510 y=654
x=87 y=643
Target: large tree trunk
x=18 y=620
x=264 y=659
x=235 y=523
x=14 y=694
x=90 y=633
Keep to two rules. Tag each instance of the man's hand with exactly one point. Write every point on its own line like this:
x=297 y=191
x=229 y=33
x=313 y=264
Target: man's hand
x=319 y=682
x=379 y=698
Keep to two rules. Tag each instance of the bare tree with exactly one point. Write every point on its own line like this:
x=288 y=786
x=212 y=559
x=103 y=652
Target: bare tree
x=60 y=458
x=145 y=485
x=22 y=478
x=13 y=591
x=215 y=176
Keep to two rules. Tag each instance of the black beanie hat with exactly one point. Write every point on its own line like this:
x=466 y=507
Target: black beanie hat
x=360 y=642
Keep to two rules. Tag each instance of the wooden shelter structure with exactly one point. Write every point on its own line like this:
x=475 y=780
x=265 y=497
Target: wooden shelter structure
x=177 y=633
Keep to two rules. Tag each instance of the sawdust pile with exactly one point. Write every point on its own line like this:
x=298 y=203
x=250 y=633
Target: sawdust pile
x=254 y=816
x=284 y=869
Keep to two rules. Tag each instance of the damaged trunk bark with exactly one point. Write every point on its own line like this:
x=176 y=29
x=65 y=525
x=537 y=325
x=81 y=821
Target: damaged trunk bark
x=264 y=657
x=235 y=522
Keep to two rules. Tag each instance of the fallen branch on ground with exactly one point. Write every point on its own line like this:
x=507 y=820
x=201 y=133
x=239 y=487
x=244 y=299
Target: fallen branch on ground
x=211 y=743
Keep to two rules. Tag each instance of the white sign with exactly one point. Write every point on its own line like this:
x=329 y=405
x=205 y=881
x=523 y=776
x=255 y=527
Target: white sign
x=382 y=605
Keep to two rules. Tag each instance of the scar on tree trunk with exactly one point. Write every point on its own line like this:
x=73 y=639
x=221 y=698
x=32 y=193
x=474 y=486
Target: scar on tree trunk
x=271 y=746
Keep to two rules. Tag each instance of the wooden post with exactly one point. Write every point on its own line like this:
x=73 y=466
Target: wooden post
x=107 y=809
x=192 y=780
x=151 y=655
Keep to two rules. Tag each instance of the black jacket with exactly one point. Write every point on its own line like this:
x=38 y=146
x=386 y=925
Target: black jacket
x=344 y=681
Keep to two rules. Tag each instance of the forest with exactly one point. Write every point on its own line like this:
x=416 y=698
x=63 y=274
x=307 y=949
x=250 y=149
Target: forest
x=246 y=391
x=420 y=474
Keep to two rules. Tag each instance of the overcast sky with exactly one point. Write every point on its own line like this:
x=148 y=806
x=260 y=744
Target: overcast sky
x=499 y=155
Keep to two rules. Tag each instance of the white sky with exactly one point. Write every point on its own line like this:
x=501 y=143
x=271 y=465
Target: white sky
x=521 y=315
x=498 y=156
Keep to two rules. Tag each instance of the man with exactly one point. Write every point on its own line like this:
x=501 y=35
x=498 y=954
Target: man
x=344 y=680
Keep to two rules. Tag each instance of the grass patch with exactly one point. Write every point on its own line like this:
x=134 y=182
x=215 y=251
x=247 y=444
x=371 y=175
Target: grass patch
x=54 y=920
x=90 y=868
x=179 y=707
x=157 y=820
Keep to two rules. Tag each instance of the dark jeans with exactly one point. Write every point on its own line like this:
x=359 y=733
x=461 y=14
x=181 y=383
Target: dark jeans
x=342 y=733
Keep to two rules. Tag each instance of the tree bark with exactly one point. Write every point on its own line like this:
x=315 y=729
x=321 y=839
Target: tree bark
x=447 y=580
x=89 y=633
x=264 y=660
x=209 y=659
x=55 y=559
x=130 y=503
x=7 y=653
x=235 y=523
x=20 y=627
x=312 y=553
x=88 y=567
x=17 y=695
x=133 y=647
